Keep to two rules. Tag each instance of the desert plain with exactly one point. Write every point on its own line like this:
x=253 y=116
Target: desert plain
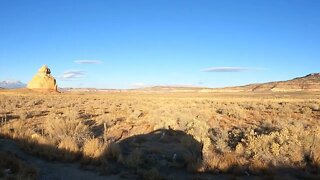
x=159 y=135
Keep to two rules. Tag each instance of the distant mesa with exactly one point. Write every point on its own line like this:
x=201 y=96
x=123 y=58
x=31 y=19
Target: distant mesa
x=11 y=84
x=43 y=81
x=308 y=83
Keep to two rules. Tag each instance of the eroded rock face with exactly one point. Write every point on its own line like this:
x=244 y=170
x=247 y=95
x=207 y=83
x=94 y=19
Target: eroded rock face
x=43 y=80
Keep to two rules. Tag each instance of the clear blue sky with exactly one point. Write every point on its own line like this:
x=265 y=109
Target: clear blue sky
x=126 y=43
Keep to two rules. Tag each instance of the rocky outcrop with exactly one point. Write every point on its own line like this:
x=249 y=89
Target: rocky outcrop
x=43 y=80
x=309 y=82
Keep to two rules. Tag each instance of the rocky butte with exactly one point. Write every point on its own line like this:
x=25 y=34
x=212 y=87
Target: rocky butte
x=43 y=81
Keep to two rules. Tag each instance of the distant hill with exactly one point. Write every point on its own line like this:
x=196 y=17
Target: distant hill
x=310 y=82
x=8 y=84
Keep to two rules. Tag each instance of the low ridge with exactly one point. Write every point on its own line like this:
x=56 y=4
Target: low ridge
x=310 y=82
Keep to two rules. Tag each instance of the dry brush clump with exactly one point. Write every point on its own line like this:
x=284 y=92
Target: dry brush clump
x=93 y=148
x=264 y=149
x=70 y=125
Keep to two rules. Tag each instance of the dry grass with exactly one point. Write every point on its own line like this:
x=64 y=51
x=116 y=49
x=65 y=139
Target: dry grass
x=93 y=148
x=12 y=167
x=240 y=133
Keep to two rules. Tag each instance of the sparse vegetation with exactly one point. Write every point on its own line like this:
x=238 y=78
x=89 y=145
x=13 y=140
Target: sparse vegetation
x=150 y=136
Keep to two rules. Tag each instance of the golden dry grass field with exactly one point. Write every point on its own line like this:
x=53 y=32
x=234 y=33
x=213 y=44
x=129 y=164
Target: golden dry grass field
x=165 y=135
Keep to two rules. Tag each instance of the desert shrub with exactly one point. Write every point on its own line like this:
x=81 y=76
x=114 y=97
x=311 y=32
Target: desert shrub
x=233 y=111
x=42 y=140
x=192 y=161
x=113 y=152
x=276 y=148
x=223 y=162
x=314 y=107
x=134 y=159
x=263 y=147
x=93 y=149
x=198 y=128
x=265 y=128
x=17 y=129
x=219 y=139
x=314 y=154
x=211 y=160
x=45 y=150
x=228 y=162
x=59 y=128
x=235 y=136
x=69 y=148
x=305 y=110
x=285 y=111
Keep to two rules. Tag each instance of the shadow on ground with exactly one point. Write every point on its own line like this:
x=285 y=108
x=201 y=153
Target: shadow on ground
x=163 y=150
x=161 y=154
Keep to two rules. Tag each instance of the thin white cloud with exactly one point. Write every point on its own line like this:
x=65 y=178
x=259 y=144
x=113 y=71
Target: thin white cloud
x=88 y=61
x=72 y=74
x=229 y=69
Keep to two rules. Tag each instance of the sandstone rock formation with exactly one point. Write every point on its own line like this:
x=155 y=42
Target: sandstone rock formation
x=43 y=80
